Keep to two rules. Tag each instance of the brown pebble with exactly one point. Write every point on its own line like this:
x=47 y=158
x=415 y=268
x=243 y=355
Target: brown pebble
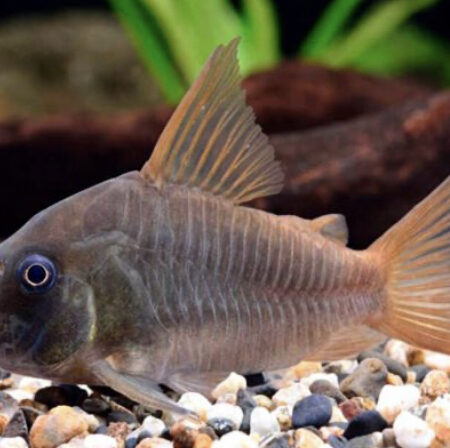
x=183 y=435
x=6 y=383
x=4 y=419
x=350 y=408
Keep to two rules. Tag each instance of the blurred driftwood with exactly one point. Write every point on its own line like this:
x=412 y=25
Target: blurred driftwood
x=373 y=169
x=368 y=169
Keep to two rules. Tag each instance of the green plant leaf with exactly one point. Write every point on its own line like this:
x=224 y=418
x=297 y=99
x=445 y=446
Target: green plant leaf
x=151 y=48
x=328 y=27
x=378 y=23
x=408 y=50
x=260 y=30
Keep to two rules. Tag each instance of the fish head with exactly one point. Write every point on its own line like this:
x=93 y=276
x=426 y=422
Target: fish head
x=47 y=303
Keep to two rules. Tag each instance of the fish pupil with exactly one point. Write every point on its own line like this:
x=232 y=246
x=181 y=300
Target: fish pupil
x=37 y=274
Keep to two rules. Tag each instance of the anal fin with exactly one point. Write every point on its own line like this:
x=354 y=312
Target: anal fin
x=348 y=343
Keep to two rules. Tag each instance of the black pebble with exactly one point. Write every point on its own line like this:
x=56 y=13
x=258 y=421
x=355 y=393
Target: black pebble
x=324 y=387
x=121 y=416
x=246 y=402
x=365 y=423
x=314 y=410
x=255 y=379
x=337 y=442
x=421 y=371
x=96 y=406
x=279 y=442
x=393 y=366
x=221 y=426
x=264 y=389
x=65 y=394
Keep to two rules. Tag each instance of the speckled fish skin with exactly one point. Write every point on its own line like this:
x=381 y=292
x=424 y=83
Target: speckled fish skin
x=161 y=276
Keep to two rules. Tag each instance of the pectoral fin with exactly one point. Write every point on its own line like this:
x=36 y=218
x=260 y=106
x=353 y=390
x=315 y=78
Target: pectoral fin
x=137 y=388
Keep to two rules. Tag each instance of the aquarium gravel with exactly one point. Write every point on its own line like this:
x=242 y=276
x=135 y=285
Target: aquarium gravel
x=394 y=396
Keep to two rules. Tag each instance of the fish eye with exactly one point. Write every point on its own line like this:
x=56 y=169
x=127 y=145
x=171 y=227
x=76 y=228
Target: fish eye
x=36 y=274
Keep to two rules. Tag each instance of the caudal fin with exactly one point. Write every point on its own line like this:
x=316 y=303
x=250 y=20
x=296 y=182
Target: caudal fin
x=416 y=255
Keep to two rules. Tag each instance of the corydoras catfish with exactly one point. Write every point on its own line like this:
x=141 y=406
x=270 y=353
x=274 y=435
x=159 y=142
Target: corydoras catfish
x=162 y=277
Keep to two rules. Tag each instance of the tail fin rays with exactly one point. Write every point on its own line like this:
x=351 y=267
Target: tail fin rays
x=416 y=255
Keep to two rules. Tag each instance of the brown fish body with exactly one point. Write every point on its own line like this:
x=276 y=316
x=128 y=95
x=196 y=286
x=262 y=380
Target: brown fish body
x=161 y=276
x=222 y=283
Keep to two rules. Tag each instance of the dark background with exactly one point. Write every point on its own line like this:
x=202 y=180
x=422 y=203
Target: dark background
x=296 y=17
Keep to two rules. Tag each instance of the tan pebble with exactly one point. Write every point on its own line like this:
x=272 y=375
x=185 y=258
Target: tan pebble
x=327 y=431
x=307 y=439
x=337 y=416
x=367 y=403
x=411 y=377
x=229 y=398
x=231 y=384
x=283 y=415
x=57 y=427
x=435 y=383
x=154 y=442
x=4 y=419
x=394 y=380
x=203 y=441
x=304 y=369
x=438 y=418
x=6 y=383
x=263 y=401
x=118 y=430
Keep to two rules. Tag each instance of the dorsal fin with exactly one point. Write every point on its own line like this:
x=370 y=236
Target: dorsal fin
x=332 y=226
x=212 y=142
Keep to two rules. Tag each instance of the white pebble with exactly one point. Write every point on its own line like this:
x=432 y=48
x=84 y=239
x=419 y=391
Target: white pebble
x=19 y=394
x=235 y=439
x=153 y=425
x=262 y=422
x=100 y=441
x=412 y=432
x=12 y=442
x=30 y=384
x=291 y=394
x=438 y=361
x=438 y=417
x=397 y=350
x=230 y=385
x=330 y=377
x=395 y=399
x=225 y=410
